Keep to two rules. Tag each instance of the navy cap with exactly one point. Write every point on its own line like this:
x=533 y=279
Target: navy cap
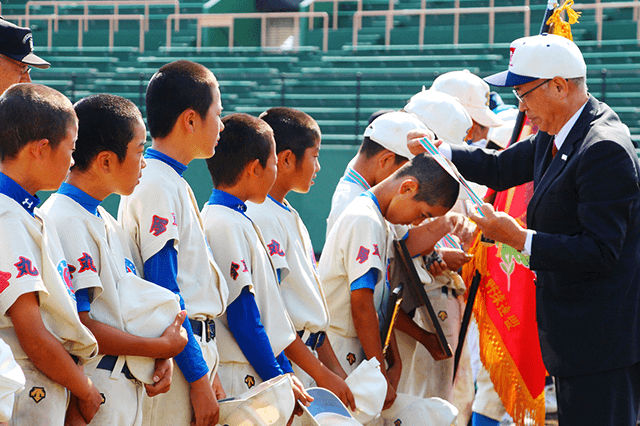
x=17 y=43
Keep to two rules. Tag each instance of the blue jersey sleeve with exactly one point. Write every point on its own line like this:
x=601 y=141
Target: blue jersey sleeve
x=285 y=365
x=82 y=300
x=368 y=280
x=162 y=269
x=244 y=322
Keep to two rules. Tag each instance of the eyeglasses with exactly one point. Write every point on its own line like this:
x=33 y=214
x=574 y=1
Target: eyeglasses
x=521 y=97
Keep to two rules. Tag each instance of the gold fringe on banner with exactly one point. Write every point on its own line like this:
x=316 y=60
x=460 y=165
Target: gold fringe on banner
x=505 y=376
x=558 y=25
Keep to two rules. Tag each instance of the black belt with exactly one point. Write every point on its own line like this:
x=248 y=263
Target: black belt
x=108 y=362
x=209 y=327
x=315 y=339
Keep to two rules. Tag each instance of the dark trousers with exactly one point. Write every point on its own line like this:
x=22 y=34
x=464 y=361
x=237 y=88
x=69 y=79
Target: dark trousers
x=609 y=398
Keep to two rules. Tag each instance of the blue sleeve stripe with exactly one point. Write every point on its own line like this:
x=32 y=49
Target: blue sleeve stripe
x=82 y=300
x=368 y=280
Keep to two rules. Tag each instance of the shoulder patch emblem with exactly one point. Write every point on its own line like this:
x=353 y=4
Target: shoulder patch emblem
x=398 y=422
x=86 y=263
x=274 y=248
x=37 y=393
x=443 y=315
x=25 y=267
x=72 y=269
x=63 y=270
x=250 y=381
x=363 y=255
x=351 y=358
x=234 y=270
x=4 y=280
x=159 y=225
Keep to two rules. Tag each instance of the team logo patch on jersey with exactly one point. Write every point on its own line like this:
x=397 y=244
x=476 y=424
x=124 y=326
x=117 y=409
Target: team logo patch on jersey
x=363 y=255
x=398 y=422
x=25 y=267
x=72 y=269
x=376 y=251
x=159 y=225
x=4 y=280
x=351 y=358
x=274 y=248
x=63 y=270
x=443 y=315
x=86 y=263
x=234 y=270
x=250 y=381
x=104 y=398
x=37 y=393
x=129 y=266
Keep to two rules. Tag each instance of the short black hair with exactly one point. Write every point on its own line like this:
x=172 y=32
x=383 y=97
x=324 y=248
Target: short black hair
x=292 y=129
x=243 y=140
x=31 y=112
x=105 y=123
x=436 y=186
x=369 y=148
x=174 y=88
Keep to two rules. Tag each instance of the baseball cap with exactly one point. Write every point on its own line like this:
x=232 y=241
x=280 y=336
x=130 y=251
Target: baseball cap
x=441 y=113
x=369 y=388
x=409 y=410
x=326 y=409
x=540 y=56
x=390 y=130
x=502 y=135
x=17 y=43
x=472 y=92
x=271 y=403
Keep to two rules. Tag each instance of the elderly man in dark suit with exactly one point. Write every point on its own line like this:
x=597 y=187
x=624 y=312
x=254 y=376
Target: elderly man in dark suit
x=583 y=231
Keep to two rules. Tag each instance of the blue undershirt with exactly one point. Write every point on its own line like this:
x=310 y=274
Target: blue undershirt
x=11 y=189
x=90 y=204
x=162 y=269
x=243 y=315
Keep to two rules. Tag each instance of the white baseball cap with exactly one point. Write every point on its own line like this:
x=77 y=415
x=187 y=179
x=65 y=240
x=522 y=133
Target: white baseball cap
x=326 y=409
x=540 y=56
x=441 y=113
x=390 y=130
x=502 y=135
x=409 y=410
x=472 y=92
x=369 y=388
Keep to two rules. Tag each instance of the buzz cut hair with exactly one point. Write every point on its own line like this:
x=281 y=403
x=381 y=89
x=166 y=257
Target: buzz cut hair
x=173 y=89
x=293 y=130
x=105 y=123
x=436 y=186
x=32 y=112
x=244 y=139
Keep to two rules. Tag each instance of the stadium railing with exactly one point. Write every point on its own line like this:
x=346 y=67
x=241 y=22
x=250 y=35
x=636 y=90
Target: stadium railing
x=335 y=10
x=227 y=20
x=102 y=4
x=52 y=23
x=491 y=11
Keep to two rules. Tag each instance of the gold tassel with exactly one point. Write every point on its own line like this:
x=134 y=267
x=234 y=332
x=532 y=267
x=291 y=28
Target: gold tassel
x=558 y=25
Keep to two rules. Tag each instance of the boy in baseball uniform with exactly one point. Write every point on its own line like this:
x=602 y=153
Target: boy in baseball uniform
x=108 y=159
x=297 y=137
x=359 y=248
x=163 y=222
x=256 y=329
x=40 y=323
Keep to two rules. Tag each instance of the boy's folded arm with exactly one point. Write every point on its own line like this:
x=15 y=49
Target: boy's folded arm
x=244 y=322
x=423 y=238
x=46 y=352
x=112 y=341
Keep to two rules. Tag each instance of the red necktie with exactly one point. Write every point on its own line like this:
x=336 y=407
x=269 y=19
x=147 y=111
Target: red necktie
x=554 y=148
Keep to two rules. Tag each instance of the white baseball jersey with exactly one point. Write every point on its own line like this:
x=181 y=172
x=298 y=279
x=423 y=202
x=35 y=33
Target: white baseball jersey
x=163 y=208
x=347 y=190
x=33 y=261
x=361 y=239
x=239 y=247
x=291 y=251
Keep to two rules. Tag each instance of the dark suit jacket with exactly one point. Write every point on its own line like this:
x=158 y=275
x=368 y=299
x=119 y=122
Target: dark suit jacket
x=586 y=253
